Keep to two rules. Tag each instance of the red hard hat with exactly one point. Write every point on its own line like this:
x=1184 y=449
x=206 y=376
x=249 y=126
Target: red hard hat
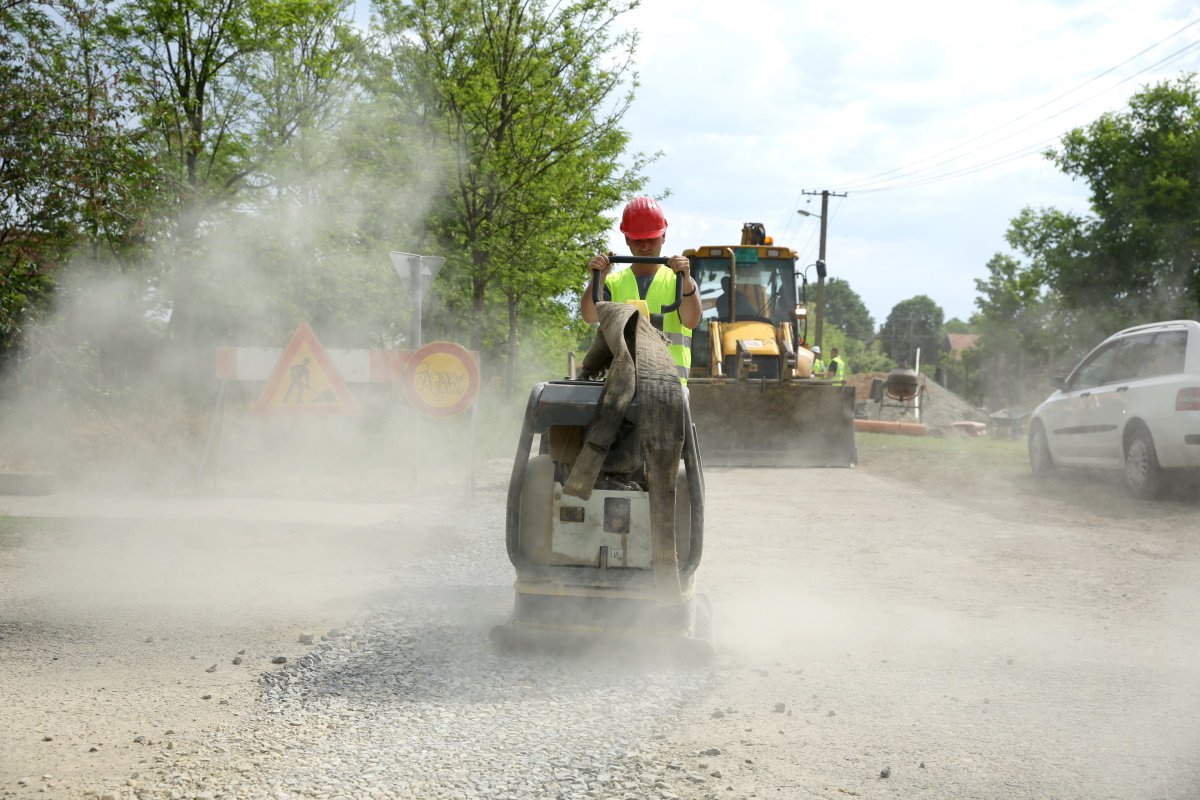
x=643 y=219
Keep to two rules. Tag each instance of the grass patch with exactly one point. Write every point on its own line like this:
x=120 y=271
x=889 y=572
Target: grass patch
x=979 y=455
x=996 y=471
x=16 y=531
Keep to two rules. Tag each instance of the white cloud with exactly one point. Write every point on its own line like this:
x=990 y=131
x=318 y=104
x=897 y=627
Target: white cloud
x=754 y=102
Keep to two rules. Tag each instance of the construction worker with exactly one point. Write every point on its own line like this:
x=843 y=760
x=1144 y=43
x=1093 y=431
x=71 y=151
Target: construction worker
x=742 y=305
x=837 y=369
x=645 y=227
x=818 y=369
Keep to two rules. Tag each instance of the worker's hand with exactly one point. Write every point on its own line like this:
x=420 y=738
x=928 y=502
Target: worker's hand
x=600 y=262
x=680 y=264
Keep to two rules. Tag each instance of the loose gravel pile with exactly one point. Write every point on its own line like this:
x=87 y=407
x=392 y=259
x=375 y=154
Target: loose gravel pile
x=412 y=701
x=940 y=407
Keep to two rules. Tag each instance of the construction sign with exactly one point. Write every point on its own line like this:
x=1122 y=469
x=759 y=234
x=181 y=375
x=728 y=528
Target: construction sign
x=305 y=383
x=441 y=379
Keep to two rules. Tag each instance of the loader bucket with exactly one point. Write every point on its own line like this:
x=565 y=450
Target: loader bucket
x=770 y=424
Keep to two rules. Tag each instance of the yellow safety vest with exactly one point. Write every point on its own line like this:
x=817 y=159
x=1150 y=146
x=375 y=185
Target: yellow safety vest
x=839 y=374
x=623 y=286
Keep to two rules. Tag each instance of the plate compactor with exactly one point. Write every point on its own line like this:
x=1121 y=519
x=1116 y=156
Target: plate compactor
x=605 y=525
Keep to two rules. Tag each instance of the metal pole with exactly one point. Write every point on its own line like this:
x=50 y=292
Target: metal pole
x=216 y=431
x=821 y=274
x=471 y=458
x=825 y=193
x=414 y=264
x=917 y=396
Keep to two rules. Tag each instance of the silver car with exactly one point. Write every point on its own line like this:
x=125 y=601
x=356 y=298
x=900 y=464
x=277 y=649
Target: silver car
x=1133 y=403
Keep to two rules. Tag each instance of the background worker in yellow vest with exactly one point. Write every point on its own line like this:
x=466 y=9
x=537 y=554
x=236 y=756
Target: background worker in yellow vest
x=837 y=368
x=645 y=227
x=818 y=370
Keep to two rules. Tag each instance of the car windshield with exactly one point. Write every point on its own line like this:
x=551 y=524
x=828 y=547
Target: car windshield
x=765 y=291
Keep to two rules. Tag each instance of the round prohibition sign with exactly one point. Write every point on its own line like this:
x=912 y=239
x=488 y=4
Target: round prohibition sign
x=441 y=379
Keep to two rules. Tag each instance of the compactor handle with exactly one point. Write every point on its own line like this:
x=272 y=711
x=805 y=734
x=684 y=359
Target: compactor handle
x=638 y=260
x=596 y=295
x=678 y=294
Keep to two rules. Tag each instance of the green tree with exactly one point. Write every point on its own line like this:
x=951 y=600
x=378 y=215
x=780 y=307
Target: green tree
x=1139 y=254
x=203 y=72
x=844 y=308
x=312 y=254
x=75 y=180
x=956 y=325
x=912 y=324
x=34 y=202
x=1015 y=305
x=1135 y=258
x=522 y=104
x=867 y=356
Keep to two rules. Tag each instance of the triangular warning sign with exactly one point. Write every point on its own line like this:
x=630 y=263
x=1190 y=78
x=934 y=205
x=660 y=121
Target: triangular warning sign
x=305 y=383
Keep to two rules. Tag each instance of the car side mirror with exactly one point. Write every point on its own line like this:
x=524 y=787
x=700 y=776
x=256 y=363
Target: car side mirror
x=1058 y=383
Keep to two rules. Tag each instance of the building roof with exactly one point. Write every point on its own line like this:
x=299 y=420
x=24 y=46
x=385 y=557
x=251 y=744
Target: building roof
x=962 y=341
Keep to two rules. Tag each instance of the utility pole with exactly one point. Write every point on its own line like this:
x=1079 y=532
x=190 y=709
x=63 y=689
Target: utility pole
x=821 y=271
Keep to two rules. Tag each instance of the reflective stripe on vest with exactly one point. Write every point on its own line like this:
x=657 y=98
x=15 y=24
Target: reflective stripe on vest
x=679 y=338
x=623 y=286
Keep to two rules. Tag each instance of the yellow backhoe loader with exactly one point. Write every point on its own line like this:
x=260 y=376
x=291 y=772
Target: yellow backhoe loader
x=754 y=398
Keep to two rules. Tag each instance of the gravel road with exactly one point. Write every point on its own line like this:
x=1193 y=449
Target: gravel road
x=877 y=640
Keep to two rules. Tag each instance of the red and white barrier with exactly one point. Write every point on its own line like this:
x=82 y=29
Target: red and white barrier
x=354 y=366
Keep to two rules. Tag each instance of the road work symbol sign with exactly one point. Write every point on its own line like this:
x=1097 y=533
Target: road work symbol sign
x=441 y=379
x=305 y=383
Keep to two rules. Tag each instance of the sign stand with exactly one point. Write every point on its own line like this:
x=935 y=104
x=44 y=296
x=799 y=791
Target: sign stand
x=442 y=380
x=216 y=431
x=471 y=457
x=417 y=274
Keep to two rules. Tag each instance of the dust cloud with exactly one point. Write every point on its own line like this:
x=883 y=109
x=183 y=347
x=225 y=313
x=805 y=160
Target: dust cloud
x=180 y=510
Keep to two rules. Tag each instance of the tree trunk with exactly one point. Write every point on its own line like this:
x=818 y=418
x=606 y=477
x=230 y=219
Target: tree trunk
x=478 y=291
x=510 y=370
x=479 y=283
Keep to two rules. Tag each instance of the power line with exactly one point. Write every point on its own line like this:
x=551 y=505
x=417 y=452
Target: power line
x=1050 y=102
x=869 y=184
x=1174 y=56
x=1023 y=152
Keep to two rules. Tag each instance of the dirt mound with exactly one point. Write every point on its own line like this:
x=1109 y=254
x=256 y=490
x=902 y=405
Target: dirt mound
x=939 y=407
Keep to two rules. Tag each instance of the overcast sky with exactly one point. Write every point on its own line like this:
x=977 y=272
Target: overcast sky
x=754 y=102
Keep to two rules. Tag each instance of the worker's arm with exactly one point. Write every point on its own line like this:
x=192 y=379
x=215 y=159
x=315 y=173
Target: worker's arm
x=689 y=310
x=587 y=306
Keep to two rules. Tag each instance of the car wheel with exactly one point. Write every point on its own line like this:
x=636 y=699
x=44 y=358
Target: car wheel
x=1040 y=460
x=1143 y=476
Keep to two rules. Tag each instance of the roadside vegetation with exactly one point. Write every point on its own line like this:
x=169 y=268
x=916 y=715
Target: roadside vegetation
x=16 y=531
x=996 y=472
